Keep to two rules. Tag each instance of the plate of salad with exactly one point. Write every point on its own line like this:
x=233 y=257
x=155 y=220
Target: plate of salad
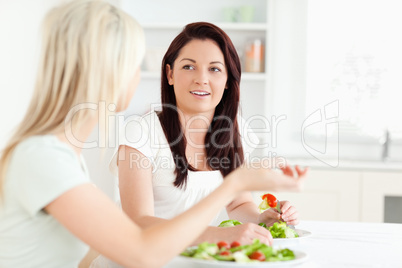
x=235 y=255
x=283 y=235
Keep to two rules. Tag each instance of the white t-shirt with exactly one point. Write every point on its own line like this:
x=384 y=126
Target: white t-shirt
x=41 y=169
x=146 y=135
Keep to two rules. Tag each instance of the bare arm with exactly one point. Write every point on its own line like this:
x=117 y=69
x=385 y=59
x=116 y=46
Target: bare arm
x=91 y=216
x=243 y=209
x=135 y=185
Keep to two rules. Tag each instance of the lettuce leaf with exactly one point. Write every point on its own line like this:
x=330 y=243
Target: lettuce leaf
x=229 y=223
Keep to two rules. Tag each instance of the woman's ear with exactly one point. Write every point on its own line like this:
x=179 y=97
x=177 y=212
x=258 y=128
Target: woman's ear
x=169 y=74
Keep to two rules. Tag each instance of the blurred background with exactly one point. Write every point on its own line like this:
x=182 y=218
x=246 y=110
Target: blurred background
x=320 y=87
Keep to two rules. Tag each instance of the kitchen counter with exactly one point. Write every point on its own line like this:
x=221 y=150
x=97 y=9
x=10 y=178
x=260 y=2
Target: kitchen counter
x=345 y=244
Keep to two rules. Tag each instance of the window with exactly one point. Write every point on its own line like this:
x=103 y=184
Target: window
x=354 y=55
x=335 y=75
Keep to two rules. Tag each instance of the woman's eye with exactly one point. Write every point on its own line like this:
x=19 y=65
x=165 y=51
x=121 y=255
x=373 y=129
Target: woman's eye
x=188 y=67
x=214 y=69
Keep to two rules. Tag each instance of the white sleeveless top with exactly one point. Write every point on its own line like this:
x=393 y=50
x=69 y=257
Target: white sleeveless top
x=146 y=135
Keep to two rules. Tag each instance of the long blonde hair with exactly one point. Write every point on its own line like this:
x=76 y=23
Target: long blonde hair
x=90 y=51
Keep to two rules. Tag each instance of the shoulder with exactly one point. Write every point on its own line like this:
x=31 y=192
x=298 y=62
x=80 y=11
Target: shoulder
x=42 y=168
x=42 y=156
x=143 y=133
x=37 y=149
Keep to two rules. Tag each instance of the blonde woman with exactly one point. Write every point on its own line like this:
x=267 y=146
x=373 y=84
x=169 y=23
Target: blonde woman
x=50 y=212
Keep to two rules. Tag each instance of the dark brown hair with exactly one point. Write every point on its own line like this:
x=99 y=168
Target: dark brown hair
x=225 y=117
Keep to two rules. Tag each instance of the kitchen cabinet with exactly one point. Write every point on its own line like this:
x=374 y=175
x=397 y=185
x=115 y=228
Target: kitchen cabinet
x=162 y=21
x=376 y=186
x=344 y=195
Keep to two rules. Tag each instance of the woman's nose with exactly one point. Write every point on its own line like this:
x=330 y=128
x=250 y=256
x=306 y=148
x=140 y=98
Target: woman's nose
x=201 y=78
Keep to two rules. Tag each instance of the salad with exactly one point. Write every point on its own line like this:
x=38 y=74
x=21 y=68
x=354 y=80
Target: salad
x=269 y=201
x=223 y=251
x=281 y=230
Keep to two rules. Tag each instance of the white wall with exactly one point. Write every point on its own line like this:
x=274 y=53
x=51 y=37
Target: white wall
x=20 y=23
x=19 y=48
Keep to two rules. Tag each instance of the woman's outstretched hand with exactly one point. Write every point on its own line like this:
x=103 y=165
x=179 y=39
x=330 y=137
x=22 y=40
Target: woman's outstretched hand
x=255 y=177
x=296 y=172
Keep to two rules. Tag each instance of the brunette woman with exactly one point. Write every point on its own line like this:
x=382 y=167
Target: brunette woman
x=170 y=160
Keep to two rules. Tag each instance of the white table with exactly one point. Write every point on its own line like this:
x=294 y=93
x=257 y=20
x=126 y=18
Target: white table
x=346 y=244
x=357 y=244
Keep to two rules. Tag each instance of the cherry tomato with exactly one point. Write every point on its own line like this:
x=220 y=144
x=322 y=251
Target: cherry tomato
x=257 y=255
x=235 y=244
x=223 y=244
x=271 y=200
x=225 y=253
